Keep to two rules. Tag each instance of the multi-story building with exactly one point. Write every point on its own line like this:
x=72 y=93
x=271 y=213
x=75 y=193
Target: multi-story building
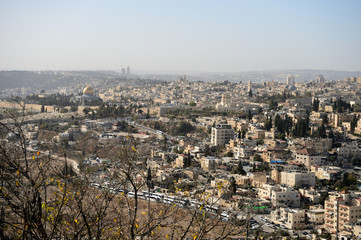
x=328 y=173
x=242 y=152
x=298 y=178
x=280 y=196
x=291 y=218
x=348 y=151
x=320 y=145
x=341 y=209
x=358 y=127
x=353 y=230
x=320 y=79
x=290 y=80
x=338 y=118
x=258 y=179
x=316 y=216
x=308 y=157
x=311 y=194
x=270 y=154
x=221 y=134
x=208 y=163
x=182 y=161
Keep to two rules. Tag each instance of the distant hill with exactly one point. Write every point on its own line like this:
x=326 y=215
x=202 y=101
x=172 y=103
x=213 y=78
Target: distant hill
x=49 y=79
x=275 y=75
x=255 y=76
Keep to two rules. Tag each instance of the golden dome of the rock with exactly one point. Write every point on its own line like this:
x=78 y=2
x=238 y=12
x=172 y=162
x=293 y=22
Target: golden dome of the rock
x=88 y=91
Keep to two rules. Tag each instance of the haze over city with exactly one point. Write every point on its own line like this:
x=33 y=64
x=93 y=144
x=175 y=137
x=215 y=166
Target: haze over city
x=180 y=36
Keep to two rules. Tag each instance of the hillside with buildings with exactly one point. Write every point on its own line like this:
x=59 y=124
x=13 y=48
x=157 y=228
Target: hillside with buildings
x=279 y=158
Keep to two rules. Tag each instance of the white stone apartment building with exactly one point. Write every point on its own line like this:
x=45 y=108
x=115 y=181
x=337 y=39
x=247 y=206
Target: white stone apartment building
x=353 y=230
x=221 y=134
x=316 y=216
x=298 y=178
x=328 y=173
x=311 y=194
x=358 y=127
x=208 y=163
x=308 y=157
x=320 y=145
x=242 y=152
x=342 y=208
x=348 y=151
x=291 y=218
x=280 y=196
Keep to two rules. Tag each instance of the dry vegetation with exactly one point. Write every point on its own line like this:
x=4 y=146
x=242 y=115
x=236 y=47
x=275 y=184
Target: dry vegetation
x=43 y=198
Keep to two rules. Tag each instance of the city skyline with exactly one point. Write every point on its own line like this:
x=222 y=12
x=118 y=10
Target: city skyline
x=203 y=36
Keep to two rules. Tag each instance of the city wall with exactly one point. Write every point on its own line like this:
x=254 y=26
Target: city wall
x=37 y=107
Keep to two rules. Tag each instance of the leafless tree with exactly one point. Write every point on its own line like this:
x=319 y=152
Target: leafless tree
x=42 y=197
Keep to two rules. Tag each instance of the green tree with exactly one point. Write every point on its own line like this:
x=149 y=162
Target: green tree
x=232 y=186
x=324 y=119
x=353 y=123
x=182 y=128
x=268 y=123
x=260 y=111
x=315 y=105
x=301 y=128
x=249 y=115
x=331 y=135
x=229 y=154
x=74 y=108
x=257 y=158
x=273 y=105
x=250 y=93
x=86 y=111
x=321 y=132
x=279 y=123
x=239 y=169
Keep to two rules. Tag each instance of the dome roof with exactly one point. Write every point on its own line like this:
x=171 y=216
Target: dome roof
x=88 y=91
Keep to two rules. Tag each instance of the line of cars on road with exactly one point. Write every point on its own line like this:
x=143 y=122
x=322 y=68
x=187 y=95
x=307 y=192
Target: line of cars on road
x=167 y=199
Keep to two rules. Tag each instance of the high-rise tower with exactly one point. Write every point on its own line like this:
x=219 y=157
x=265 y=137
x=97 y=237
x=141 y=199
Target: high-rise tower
x=320 y=79
x=290 y=80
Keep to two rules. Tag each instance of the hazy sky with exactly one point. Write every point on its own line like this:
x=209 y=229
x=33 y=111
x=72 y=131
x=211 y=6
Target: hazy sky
x=180 y=35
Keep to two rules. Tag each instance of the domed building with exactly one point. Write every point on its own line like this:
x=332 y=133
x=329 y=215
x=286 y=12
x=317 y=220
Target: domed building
x=88 y=91
x=88 y=95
